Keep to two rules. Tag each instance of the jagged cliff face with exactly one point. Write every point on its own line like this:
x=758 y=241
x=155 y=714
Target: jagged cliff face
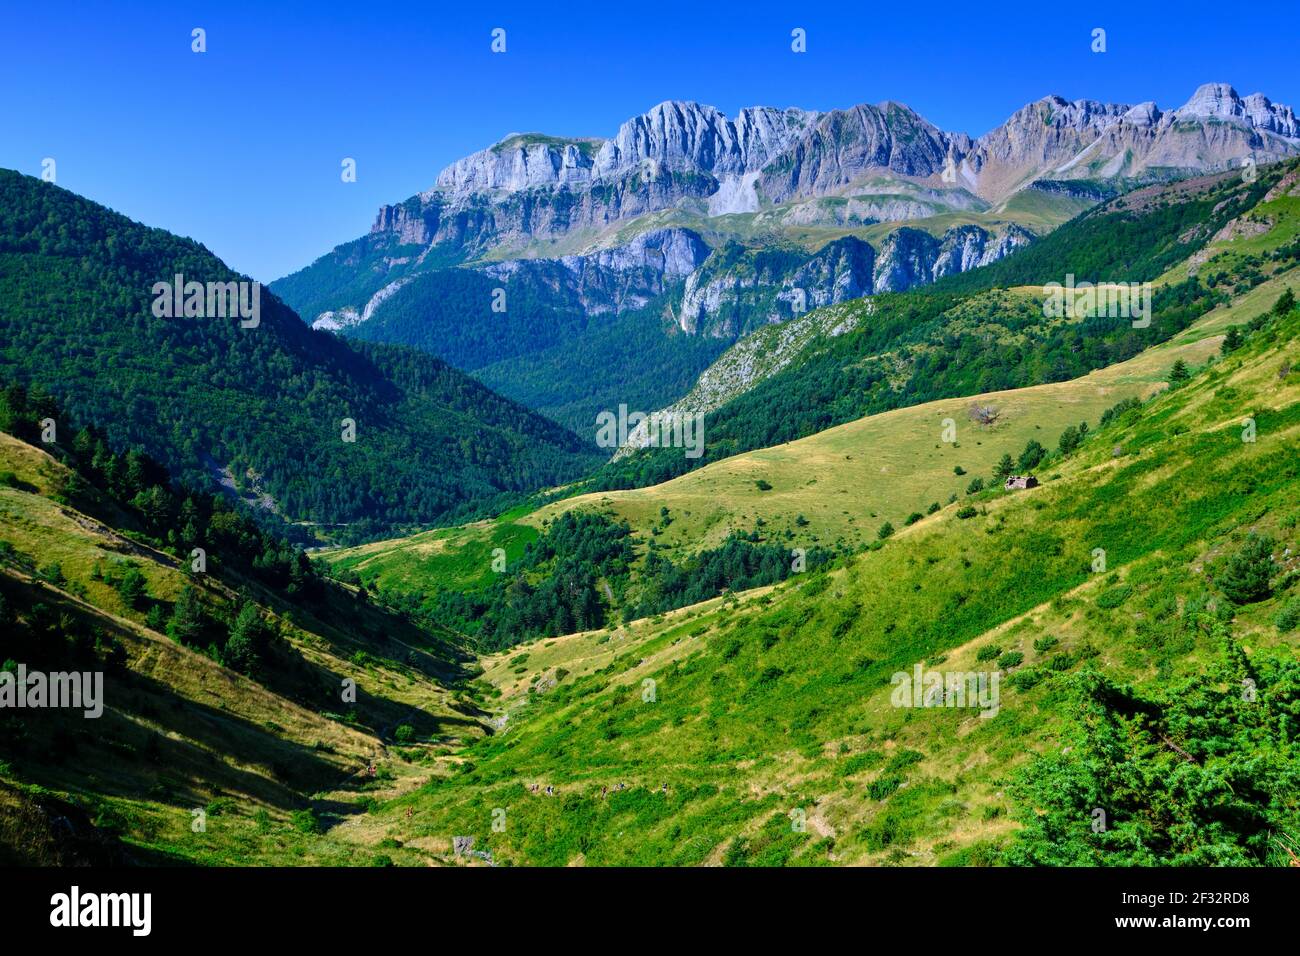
x=472 y=224
x=606 y=201
x=845 y=146
x=1055 y=139
x=910 y=257
x=617 y=279
x=740 y=289
x=531 y=186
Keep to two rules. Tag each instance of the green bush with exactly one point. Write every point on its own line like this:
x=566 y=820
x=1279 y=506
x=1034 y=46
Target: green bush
x=1011 y=659
x=306 y=821
x=1244 y=577
x=884 y=785
x=1025 y=678
x=1289 y=616
x=988 y=652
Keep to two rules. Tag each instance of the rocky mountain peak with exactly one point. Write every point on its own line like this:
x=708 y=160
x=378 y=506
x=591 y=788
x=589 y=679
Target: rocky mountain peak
x=1212 y=99
x=686 y=136
x=1220 y=101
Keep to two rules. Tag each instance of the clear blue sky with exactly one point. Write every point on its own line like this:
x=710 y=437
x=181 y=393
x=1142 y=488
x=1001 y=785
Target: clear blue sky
x=240 y=147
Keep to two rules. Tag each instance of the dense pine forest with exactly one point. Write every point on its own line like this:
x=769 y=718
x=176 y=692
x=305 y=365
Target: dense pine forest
x=260 y=409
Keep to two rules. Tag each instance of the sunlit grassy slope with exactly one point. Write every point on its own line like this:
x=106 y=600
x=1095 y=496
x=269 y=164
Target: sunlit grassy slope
x=181 y=733
x=844 y=482
x=774 y=707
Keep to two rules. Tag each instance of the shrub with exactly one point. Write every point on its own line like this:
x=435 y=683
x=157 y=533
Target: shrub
x=1011 y=659
x=1114 y=597
x=884 y=785
x=1244 y=577
x=904 y=759
x=885 y=531
x=1032 y=456
x=1046 y=643
x=967 y=512
x=1070 y=440
x=975 y=487
x=306 y=821
x=131 y=587
x=988 y=652
x=1118 y=409
x=1285 y=303
x=1289 y=616
x=863 y=761
x=913 y=518
x=1025 y=678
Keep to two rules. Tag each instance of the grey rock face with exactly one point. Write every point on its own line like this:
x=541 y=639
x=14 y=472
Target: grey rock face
x=1220 y=101
x=907 y=259
x=910 y=257
x=739 y=290
x=520 y=161
x=691 y=137
x=533 y=186
x=844 y=145
x=612 y=280
x=968 y=247
x=790 y=171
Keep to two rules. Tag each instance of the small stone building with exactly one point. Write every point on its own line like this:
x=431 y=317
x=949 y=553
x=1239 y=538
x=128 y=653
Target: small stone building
x=1019 y=482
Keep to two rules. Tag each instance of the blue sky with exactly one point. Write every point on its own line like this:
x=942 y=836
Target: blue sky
x=240 y=147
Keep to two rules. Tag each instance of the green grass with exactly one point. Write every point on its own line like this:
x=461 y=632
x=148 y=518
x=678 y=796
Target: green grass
x=779 y=700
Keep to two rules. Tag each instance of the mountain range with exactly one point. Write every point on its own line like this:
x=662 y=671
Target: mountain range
x=644 y=671
x=707 y=226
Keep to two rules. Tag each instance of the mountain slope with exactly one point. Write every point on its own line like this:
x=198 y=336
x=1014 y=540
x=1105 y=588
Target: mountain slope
x=986 y=330
x=530 y=191
x=260 y=409
x=765 y=729
x=833 y=489
x=224 y=689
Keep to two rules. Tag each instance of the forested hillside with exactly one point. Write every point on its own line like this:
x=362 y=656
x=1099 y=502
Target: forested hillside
x=258 y=409
x=239 y=686
x=985 y=330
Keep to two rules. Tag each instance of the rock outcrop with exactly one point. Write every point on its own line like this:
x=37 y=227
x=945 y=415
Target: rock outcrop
x=787 y=171
x=616 y=279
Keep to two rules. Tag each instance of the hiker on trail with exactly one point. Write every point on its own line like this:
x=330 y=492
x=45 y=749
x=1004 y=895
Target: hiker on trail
x=550 y=791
